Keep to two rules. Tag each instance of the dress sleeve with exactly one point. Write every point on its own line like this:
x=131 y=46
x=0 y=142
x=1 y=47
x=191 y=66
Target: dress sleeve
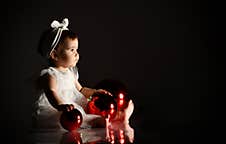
x=49 y=71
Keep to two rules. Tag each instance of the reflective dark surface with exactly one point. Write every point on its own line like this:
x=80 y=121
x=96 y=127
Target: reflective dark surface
x=120 y=135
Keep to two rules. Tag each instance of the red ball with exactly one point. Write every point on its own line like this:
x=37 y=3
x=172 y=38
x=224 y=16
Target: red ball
x=118 y=89
x=71 y=120
x=102 y=104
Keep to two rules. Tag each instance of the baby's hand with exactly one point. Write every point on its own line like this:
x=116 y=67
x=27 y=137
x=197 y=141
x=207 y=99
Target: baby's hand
x=65 y=107
x=102 y=91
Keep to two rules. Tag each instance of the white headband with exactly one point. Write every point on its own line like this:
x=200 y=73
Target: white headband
x=58 y=28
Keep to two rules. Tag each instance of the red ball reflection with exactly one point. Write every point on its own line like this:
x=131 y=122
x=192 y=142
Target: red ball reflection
x=102 y=104
x=71 y=120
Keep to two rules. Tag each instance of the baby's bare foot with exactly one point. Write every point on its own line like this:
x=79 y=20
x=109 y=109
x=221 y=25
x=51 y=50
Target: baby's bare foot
x=128 y=111
x=129 y=131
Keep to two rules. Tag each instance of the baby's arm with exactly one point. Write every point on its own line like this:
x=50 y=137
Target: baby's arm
x=87 y=92
x=48 y=83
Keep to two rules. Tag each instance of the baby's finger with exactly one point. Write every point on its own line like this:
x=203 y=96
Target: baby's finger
x=68 y=108
x=109 y=93
x=71 y=106
x=106 y=92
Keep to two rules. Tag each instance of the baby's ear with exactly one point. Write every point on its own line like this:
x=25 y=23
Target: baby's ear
x=53 y=55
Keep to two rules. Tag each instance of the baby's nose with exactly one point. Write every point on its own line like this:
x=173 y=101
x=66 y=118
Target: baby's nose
x=76 y=55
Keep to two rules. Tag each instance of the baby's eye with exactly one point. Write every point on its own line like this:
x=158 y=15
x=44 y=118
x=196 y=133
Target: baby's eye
x=73 y=50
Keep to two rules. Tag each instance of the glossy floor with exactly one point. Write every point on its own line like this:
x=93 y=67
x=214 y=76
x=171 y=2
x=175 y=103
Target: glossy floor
x=119 y=135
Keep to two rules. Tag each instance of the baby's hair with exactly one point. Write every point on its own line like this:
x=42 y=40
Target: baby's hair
x=67 y=34
x=47 y=38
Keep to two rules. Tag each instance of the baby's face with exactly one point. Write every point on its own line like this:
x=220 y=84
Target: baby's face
x=67 y=53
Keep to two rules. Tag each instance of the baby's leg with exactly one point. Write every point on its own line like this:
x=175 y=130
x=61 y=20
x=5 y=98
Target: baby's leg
x=92 y=120
x=98 y=123
x=128 y=111
x=123 y=117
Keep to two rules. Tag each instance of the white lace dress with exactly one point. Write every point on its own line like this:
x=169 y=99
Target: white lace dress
x=45 y=116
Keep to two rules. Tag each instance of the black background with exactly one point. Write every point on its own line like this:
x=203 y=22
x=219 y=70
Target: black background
x=170 y=54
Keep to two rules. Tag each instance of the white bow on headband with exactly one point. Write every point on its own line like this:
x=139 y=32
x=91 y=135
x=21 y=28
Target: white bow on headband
x=55 y=24
x=59 y=27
